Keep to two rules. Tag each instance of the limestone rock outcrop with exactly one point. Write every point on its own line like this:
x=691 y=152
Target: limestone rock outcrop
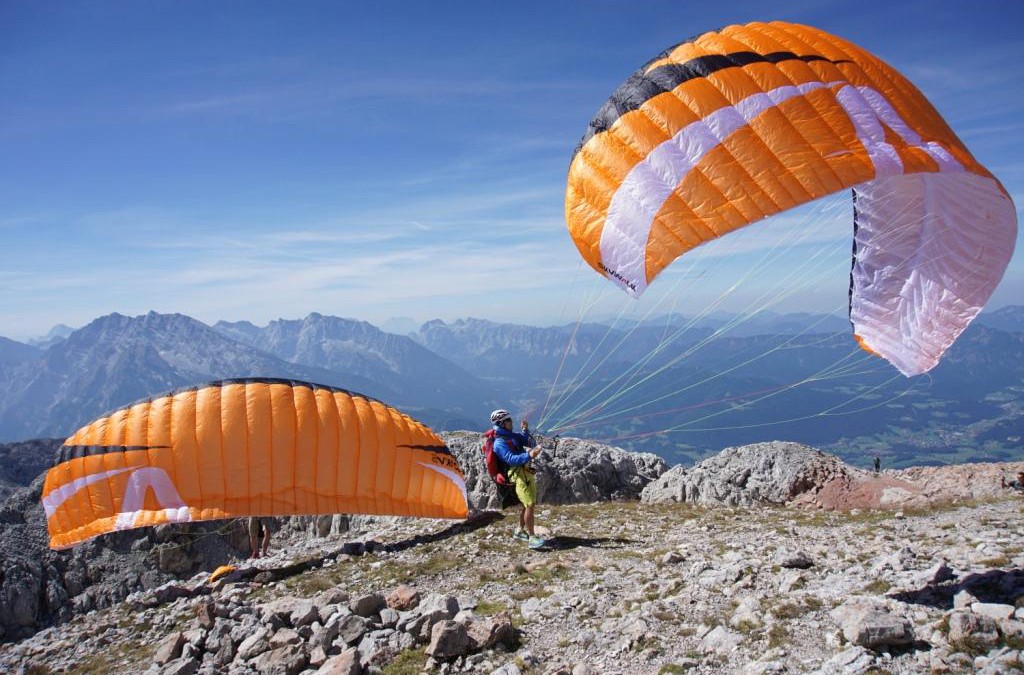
x=762 y=473
x=573 y=471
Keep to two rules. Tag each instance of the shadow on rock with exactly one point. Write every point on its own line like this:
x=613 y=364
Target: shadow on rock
x=996 y=586
x=267 y=575
x=474 y=522
x=565 y=543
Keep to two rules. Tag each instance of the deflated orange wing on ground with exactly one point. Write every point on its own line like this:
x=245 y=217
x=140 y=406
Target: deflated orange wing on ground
x=736 y=125
x=248 y=447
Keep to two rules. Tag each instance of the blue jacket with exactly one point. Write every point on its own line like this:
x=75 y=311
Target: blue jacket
x=510 y=446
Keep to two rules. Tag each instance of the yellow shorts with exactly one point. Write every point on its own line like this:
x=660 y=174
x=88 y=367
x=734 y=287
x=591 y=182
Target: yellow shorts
x=526 y=485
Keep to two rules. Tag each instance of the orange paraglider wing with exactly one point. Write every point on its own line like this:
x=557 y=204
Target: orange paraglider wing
x=248 y=447
x=736 y=125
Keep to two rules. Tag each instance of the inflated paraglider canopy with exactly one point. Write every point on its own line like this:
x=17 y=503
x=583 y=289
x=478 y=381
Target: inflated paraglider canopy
x=246 y=447
x=733 y=126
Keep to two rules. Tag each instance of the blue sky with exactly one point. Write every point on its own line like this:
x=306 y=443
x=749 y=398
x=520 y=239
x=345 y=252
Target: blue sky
x=245 y=160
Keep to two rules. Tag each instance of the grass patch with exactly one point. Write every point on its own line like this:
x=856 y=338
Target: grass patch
x=106 y=660
x=547 y=573
x=792 y=610
x=311 y=585
x=409 y=662
x=997 y=561
x=746 y=627
x=665 y=616
x=778 y=636
x=489 y=607
x=672 y=669
x=526 y=592
x=1015 y=642
x=647 y=642
x=488 y=577
x=878 y=587
x=37 y=669
x=788 y=610
x=971 y=645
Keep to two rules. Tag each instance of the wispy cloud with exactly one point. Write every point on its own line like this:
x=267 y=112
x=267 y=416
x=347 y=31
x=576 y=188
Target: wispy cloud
x=220 y=103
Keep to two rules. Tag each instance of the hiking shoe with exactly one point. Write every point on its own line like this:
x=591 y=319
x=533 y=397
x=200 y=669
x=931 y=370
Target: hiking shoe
x=536 y=542
x=521 y=535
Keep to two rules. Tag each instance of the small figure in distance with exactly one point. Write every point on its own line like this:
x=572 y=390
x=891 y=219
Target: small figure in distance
x=259 y=526
x=516 y=450
x=1017 y=484
x=878 y=463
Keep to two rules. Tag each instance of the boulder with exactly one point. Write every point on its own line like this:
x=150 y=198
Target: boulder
x=186 y=665
x=853 y=661
x=963 y=600
x=487 y=632
x=403 y=598
x=254 y=645
x=19 y=595
x=288 y=660
x=346 y=663
x=368 y=605
x=169 y=648
x=748 y=613
x=968 y=627
x=793 y=561
x=206 y=613
x=937 y=573
x=329 y=599
x=762 y=473
x=351 y=628
x=284 y=637
x=448 y=639
x=993 y=610
x=720 y=640
x=292 y=611
x=324 y=636
x=432 y=609
x=872 y=626
x=317 y=657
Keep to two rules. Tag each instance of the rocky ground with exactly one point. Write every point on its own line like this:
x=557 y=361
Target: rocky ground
x=769 y=558
x=625 y=587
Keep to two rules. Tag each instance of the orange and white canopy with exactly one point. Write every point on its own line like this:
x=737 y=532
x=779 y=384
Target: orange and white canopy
x=736 y=125
x=246 y=447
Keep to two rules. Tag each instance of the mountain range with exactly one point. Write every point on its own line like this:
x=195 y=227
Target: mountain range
x=678 y=386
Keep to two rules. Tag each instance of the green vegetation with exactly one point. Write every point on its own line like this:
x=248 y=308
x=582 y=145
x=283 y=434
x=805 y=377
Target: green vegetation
x=645 y=643
x=788 y=610
x=877 y=587
x=778 y=636
x=672 y=669
x=410 y=662
x=997 y=561
x=797 y=608
x=105 y=660
x=37 y=669
x=1015 y=642
x=528 y=591
x=489 y=607
x=970 y=645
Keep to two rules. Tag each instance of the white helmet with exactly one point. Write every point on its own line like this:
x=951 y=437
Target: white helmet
x=499 y=416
